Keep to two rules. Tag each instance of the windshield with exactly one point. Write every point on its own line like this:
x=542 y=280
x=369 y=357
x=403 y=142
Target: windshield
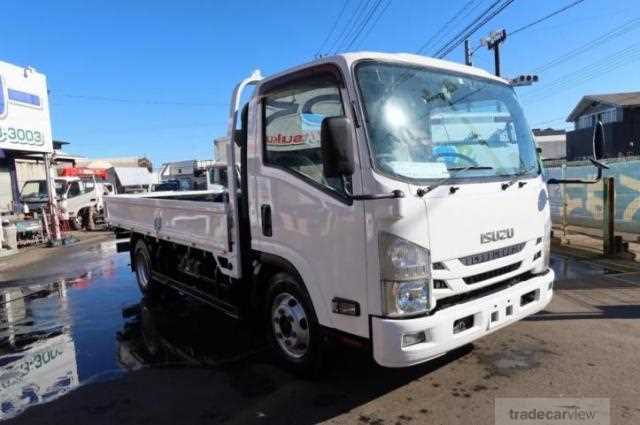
x=37 y=189
x=425 y=124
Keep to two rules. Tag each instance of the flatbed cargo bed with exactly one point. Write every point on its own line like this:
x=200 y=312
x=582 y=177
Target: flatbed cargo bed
x=197 y=219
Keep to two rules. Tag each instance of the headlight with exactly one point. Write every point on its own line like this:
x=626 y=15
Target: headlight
x=405 y=269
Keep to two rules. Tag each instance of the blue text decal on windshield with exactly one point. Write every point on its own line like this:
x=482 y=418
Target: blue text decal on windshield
x=23 y=97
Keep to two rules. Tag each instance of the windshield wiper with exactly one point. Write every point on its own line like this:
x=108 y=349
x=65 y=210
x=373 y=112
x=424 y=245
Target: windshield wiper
x=516 y=177
x=458 y=170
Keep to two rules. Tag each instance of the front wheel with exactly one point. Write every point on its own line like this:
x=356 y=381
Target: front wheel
x=76 y=222
x=293 y=329
x=142 y=261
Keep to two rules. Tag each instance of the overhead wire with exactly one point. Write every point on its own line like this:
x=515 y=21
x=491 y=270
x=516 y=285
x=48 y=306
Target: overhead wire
x=544 y=18
x=375 y=22
x=477 y=24
x=589 y=72
x=363 y=25
x=632 y=25
x=349 y=25
x=438 y=33
x=333 y=27
x=135 y=101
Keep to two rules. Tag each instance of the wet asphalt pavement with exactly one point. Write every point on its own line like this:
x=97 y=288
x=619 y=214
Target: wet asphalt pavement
x=88 y=349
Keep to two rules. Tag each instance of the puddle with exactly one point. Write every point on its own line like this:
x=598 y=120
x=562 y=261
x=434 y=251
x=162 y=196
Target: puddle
x=58 y=335
x=567 y=268
x=510 y=361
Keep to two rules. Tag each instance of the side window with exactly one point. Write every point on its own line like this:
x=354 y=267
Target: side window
x=292 y=119
x=88 y=186
x=74 y=189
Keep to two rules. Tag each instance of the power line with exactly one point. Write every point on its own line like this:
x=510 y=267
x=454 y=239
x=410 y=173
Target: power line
x=600 y=65
x=349 y=25
x=364 y=24
x=468 y=27
x=594 y=70
x=539 y=123
x=627 y=27
x=544 y=18
x=375 y=23
x=479 y=22
x=135 y=101
x=333 y=28
x=442 y=29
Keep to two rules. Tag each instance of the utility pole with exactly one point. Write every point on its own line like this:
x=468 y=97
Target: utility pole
x=55 y=238
x=467 y=53
x=493 y=43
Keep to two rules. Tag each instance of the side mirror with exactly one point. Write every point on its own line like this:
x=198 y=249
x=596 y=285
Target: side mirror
x=598 y=153
x=598 y=141
x=336 y=146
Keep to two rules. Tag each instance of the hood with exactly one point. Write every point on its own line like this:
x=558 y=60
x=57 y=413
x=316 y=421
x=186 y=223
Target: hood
x=483 y=217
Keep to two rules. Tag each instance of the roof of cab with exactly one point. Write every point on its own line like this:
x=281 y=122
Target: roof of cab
x=405 y=58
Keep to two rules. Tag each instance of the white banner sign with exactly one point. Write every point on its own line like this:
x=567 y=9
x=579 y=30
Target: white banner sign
x=25 y=124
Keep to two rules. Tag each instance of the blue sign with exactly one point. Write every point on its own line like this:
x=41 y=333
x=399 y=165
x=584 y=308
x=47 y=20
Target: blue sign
x=23 y=97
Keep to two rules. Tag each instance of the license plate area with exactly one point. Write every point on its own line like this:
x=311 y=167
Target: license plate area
x=500 y=313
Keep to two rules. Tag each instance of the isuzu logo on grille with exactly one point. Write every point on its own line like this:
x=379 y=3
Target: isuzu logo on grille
x=496 y=235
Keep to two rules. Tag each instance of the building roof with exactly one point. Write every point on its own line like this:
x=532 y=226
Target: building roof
x=613 y=99
x=133 y=176
x=547 y=132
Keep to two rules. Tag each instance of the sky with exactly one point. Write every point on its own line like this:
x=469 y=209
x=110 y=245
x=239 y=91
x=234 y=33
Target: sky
x=154 y=78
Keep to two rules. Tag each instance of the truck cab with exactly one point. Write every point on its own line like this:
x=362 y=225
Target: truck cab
x=80 y=199
x=391 y=199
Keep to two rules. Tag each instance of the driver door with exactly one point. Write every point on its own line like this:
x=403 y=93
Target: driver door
x=300 y=215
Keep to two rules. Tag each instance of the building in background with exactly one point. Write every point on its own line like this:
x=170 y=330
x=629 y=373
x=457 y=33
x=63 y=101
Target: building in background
x=106 y=163
x=552 y=142
x=131 y=179
x=620 y=114
x=31 y=166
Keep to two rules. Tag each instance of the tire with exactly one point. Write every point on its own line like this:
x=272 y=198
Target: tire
x=293 y=330
x=76 y=222
x=143 y=268
x=91 y=220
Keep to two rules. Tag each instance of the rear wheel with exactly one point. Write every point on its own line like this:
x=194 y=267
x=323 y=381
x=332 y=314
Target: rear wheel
x=293 y=328
x=142 y=261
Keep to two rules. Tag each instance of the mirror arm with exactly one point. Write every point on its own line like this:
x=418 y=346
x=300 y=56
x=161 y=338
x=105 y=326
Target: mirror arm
x=374 y=196
x=599 y=166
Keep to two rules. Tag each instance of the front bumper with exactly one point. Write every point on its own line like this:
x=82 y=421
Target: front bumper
x=489 y=314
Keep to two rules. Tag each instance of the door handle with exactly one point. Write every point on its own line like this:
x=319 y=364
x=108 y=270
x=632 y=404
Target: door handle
x=265 y=215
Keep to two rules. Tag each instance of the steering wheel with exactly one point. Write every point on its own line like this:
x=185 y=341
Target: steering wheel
x=470 y=160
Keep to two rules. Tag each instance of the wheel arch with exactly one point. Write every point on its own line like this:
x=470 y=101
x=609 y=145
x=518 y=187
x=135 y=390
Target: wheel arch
x=267 y=266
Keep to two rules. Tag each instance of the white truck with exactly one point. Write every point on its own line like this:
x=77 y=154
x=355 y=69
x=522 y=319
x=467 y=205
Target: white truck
x=390 y=200
x=80 y=199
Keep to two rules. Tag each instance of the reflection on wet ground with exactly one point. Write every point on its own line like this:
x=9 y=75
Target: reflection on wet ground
x=56 y=335
x=569 y=268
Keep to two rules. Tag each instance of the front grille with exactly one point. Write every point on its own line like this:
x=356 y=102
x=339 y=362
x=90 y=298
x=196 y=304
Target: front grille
x=483 y=257
x=475 y=294
x=470 y=280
